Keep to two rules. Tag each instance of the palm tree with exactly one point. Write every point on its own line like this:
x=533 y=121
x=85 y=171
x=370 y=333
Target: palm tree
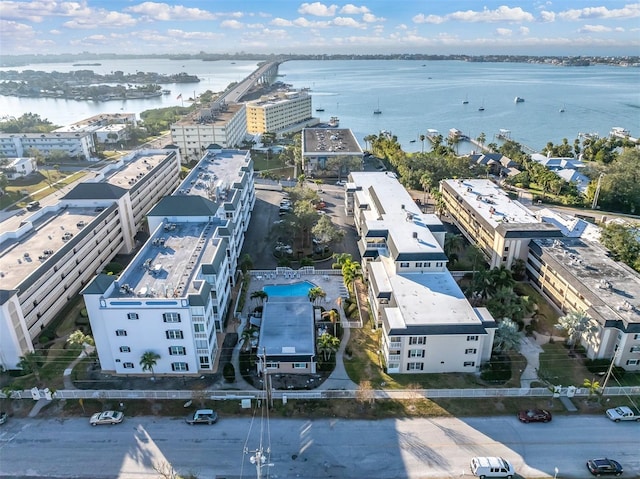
x=333 y=316
x=247 y=335
x=452 y=245
x=518 y=268
x=576 y=324
x=80 y=339
x=481 y=138
x=316 y=294
x=340 y=259
x=327 y=345
x=594 y=388
x=260 y=295
x=507 y=336
x=31 y=362
x=502 y=277
x=149 y=360
x=422 y=138
x=245 y=263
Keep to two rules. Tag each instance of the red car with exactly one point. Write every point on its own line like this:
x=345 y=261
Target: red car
x=534 y=415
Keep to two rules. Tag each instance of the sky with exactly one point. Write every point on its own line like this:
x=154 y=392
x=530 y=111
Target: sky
x=557 y=27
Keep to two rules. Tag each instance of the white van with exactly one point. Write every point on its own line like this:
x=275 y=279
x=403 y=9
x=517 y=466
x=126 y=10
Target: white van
x=491 y=467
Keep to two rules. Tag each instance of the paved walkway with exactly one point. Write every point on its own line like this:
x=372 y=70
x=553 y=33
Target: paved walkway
x=531 y=350
x=339 y=379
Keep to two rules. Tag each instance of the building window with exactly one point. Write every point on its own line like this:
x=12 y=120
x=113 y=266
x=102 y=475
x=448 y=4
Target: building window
x=171 y=317
x=404 y=265
x=177 y=351
x=415 y=367
x=271 y=365
x=132 y=316
x=395 y=339
x=128 y=365
x=636 y=336
x=416 y=353
x=299 y=365
x=635 y=349
x=469 y=363
x=121 y=332
x=439 y=264
x=198 y=328
x=125 y=349
x=204 y=362
x=472 y=338
x=179 y=367
x=470 y=351
x=417 y=340
x=174 y=334
x=419 y=264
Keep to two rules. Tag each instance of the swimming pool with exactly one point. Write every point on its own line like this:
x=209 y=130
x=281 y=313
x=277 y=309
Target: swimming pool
x=300 y=288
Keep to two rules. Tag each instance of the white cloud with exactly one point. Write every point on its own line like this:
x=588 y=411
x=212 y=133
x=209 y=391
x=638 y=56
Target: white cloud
x=548 y=17
x=371 y=18
x=101 y=19
x=268 y=33
x=594 y=29
x=281 y=22
x=631 y=10
x=346 y=22
x=317 y=9
x=524 y=30
x=504 y=32
x=181 y=34
x=303 y=22
x=36 y=11
x=233 y=24
x=435 y=19
x=166 y=12
x=500 y=14
x=350 y=9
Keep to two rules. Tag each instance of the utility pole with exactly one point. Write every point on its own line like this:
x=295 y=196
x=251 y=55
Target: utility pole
x=609 y=371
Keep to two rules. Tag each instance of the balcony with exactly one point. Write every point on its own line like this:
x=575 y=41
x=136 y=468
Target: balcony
x=393 y=345
x=394 y=358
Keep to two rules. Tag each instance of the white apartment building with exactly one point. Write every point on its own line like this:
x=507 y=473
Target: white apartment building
x=499 y=225
x=223 y=125
x=330 y=152
x=47 y=257
x=173 y=297
x=19 y=167
x=578 y=275
x=427 y=324
x=77 y=145
x=279 y=112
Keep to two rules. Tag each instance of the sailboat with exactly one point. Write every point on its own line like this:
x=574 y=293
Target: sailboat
x=378 y=111
x=466 y=100
x=562 y=109
x=481 y=106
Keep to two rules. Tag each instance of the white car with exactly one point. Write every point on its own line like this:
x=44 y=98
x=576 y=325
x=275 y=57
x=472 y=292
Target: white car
x=622 y=413
x=340 y=183
x=106 y=417
x=284 y=248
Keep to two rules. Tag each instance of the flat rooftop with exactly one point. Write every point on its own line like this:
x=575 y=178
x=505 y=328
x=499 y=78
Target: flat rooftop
x=330 y=141
x=215 y=174
x=95 y=121
x=134 y=168
x=278 y=98
x=167 y=265
x=212 y=116
x=491 y=202
x=612 y=288
x=52 y=231
x=287 y=326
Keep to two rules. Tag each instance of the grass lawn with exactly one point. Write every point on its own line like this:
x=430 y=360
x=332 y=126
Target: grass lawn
x=545 y=315
x=558 y=368
x=34 y=183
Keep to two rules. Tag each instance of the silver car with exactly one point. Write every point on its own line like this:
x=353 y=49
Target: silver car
x=106 y=417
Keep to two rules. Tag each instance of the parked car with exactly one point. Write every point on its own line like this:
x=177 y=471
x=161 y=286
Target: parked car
x=106 y=417
x=483 y=467
x=599 y=467
x=283 y=248
x=534 y=415
x=622 y=413
x=33 y=205
x=203 y=416
x=3 y=417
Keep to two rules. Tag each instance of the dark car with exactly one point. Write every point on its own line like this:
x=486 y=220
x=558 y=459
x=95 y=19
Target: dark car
x=605 y=466
x=203 y=416
x=534 y=415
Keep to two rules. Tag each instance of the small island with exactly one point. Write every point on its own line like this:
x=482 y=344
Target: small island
x=83 y=85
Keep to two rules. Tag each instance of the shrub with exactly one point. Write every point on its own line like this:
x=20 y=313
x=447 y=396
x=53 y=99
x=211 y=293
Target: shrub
x=229 y=373
x=84 y=313
x=498 y=369
x=44 y=338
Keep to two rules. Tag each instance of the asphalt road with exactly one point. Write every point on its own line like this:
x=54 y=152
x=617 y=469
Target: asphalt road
x=325 y=448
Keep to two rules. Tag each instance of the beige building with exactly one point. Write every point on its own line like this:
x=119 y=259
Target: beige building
x=224 y=125
x=499 y=225
x=577 y=275
x=428 y=326
x=47 y=257
x=280 y=112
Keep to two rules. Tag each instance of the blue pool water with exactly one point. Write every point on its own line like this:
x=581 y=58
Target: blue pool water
x=294 y=289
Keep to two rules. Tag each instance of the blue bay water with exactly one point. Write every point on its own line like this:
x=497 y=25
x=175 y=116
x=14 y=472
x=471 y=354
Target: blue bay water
x=413 y=95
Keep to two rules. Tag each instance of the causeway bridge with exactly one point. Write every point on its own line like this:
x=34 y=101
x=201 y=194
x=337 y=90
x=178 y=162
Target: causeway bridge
x=265 y=74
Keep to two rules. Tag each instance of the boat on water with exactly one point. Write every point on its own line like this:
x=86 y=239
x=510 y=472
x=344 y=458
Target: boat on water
x=466 y=100
x=166 y=92
x=481 y=108
x=319 y=109
x=334 y=122
x=518 y=99
x=562 y=109
x=378 y=111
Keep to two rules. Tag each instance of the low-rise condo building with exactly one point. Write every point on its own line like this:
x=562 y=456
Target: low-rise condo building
x=47 y=257
x=577 y=275
x=221 y=124
x=427 y=324
x=499 y=225
x=173 y=297
x=78 y=145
